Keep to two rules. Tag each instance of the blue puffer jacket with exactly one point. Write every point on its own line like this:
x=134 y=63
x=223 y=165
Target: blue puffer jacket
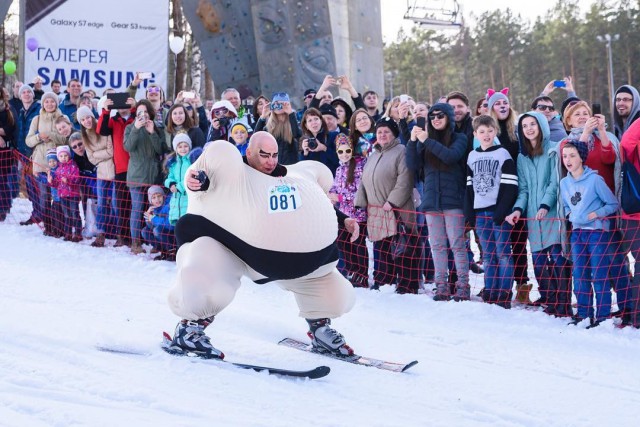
x=444 y=186
x=23 y=124
x=538 y=187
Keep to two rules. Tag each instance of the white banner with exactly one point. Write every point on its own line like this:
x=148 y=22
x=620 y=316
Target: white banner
x=103 y=43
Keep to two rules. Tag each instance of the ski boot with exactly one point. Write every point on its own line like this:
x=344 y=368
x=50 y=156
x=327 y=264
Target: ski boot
x=326 y=339
x=189 y=337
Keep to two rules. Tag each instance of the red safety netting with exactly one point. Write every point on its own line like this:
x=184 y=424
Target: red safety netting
x=539 y=265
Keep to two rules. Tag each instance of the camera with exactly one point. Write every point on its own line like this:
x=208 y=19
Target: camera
x=276 y=106
x=559 y=83
x=596 y=109
x=312 y=143
x=224 y=121
x=142 y=115
x=202 y=177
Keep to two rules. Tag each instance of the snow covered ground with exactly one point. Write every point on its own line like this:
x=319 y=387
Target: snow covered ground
x=479 y=365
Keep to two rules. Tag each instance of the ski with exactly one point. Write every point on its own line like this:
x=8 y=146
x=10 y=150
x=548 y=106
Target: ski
x=315 y=373
x=355 y=359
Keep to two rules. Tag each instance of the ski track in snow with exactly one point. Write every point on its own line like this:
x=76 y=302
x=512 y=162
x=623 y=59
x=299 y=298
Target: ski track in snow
x=479 y=365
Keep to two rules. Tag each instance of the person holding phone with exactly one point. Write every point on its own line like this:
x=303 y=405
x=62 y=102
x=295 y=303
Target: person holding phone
x=544 y=104
x=145 y=143
x=437 y=152
x=279 y=119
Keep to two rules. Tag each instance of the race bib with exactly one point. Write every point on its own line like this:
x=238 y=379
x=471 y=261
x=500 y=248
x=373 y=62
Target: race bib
x=284 y=198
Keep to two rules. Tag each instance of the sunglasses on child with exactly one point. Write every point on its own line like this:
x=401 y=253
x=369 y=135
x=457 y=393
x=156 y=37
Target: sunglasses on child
x=438 y=116
x=345 y=151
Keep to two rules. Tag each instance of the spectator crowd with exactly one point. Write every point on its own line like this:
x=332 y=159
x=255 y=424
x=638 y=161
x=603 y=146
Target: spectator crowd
x=427 y=183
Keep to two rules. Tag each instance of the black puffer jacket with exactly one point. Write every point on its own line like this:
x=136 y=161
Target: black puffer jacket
x=444 y=186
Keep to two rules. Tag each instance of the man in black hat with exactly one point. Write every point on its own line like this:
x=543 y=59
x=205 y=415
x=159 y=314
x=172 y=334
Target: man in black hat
x=330 y=117
x=307 y=98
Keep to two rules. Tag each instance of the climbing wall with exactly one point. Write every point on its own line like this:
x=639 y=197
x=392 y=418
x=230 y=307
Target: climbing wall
x=224 y=32
x=268 y=46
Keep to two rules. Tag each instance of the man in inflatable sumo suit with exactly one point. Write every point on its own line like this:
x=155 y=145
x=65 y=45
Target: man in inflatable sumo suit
x=253 y=217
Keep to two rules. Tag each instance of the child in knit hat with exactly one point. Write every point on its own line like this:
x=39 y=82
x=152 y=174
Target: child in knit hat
x=158 y=231
x=53 y=218
x=343 y=194
x=240 y=137
x=587 y=202
x=176 y=167
x=67 y=181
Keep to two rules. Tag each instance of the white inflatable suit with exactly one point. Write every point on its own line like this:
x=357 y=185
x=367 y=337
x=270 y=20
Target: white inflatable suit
x=247 y=223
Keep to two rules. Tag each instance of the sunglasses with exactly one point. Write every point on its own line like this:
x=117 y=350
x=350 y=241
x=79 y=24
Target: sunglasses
x=438 y=116
x=153 y=89
x=220 y=112
x=485 y=105
x=78 y=145
x=545 y=107
x=345 y=151
x=188 y=107
x=311 y=95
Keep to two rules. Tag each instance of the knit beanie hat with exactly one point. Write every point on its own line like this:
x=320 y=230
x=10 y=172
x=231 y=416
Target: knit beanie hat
x=328 y=110
x=154 y=189
x=63 y=149
x=83 y=112
x=238 y=126
x=25 y=87
x=49 y=95
x=624 y=89
x=179 y=138
x=52 y=154
x=583 y=151
x=388 y=122
x=567 y=103
x=342 y=139
x=493 y=96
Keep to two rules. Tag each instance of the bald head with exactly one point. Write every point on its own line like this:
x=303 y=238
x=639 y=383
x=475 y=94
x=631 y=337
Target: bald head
x=262 y=152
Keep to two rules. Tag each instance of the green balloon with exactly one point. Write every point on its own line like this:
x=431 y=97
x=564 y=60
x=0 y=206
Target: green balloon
x=9 y=67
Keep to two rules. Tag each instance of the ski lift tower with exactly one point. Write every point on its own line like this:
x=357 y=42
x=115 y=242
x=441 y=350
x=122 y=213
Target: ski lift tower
x=435 y=14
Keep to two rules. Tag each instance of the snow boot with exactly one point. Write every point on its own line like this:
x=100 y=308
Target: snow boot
x=99 y=242
x=563 y=299
x=522 y=296
x=189 y=337
x=136 y=247
x=326 y=339
x=463 y=293
x=485 y=294
x=442 y=292
x=502 y=298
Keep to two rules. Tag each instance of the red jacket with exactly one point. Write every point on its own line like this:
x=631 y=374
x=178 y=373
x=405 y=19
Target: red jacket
x=115 y=127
